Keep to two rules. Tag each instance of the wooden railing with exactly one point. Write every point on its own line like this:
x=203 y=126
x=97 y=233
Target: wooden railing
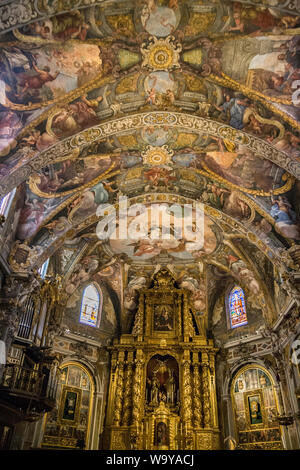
x=18 y=379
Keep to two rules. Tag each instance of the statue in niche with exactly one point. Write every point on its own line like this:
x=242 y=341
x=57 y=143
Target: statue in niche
x=154 y=390
x=171 y=388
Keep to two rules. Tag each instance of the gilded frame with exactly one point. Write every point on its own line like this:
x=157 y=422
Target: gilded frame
x=269 y=444
x=171 y=420
x=158 y=298
x=65 y=390
x=247 y=396
x=70 y=442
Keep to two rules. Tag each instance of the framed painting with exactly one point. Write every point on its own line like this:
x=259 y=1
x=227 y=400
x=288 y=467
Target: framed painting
x=161 y=434
x=163 y=317
x=70 y=405
x=255 y=409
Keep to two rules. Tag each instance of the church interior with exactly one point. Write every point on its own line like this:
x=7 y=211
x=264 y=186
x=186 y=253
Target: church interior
x=149 y=225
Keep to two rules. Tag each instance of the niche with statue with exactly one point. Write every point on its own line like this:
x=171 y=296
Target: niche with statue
x=162 y=382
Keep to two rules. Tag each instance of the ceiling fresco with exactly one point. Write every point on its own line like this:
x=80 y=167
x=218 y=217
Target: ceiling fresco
x=161 y=101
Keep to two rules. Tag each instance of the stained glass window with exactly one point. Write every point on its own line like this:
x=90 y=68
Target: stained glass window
x=90 y=306
x=237 y=307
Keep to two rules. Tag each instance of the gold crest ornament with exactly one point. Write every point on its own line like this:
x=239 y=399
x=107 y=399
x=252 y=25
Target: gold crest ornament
x=157 y=155
x=161 y=54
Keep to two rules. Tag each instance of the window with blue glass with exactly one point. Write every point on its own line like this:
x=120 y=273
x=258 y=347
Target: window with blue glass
x=43 y=269
x=6 y=201
x=237 y=307
x=90 y=306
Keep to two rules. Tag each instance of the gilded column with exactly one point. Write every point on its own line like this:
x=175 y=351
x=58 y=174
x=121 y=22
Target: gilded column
x=187 y=320
x=137 y=388
x=197 y=392
x=128 y=390
x=213 y=389
x=186 y=389
x=139 y=317
x=112 y=388
x=206 y=391
x=178 y=310
x=119 y=390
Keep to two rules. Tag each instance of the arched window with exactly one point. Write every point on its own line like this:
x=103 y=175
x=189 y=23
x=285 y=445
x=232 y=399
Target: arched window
x=237 y=307
x=90 y=306
x=43 y=269
x=6 y=201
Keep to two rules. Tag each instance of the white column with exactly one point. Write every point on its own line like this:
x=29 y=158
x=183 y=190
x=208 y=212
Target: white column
x=95 y=421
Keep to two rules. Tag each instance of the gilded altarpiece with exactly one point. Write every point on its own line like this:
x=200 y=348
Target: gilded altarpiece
x=256 y=409
x=162 y=384
x=68 y=424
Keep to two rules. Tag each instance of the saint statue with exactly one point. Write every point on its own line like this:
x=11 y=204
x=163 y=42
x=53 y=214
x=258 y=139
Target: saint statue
x=171 y=388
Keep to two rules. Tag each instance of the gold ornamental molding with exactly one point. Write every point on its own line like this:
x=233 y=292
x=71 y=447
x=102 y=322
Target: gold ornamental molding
x=161 y=54
x=16 y=14
x=139 y=121
x=157 y=155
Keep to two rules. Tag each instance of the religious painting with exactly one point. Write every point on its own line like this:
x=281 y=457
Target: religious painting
x=163 y=317
x=161 y=438
x=239 y=386
x=239 y=166
x=160 y=20
x=162 y=381
x=241 y=421
x=49 y=73
x=63 y=178
x=85 y=398
x=254 y=404
x=85 y=383
x=251 y=379
x=74 y=376
x=69 y=405
x=64 y=374
x=264 y=380
x=255 y=408
x=151 y=240
x=73 y=406
x=83 y=418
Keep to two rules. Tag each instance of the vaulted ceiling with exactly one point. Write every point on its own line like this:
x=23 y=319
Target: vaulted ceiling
x=162 y=101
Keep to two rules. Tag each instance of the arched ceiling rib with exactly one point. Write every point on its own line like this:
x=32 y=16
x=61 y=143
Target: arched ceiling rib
x=193 y=100
x=120 y=125
x=13 y=15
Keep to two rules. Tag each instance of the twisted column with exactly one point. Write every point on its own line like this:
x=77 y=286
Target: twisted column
x=188 y=329
x=137 y=388
x=206 y=391
x=213 y=397
x=197 y=392
x=187 y=390
x=128 y=390
x=119 y=390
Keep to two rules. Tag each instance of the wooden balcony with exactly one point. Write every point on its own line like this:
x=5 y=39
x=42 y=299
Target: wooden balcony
x=26 y=393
